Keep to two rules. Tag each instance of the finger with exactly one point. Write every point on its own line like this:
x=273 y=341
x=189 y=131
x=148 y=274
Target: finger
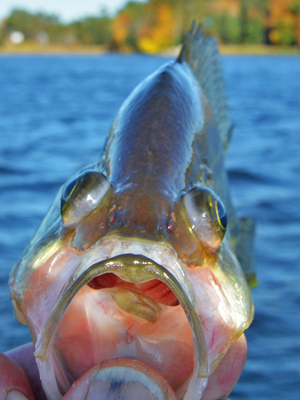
x=121 y=378
x=14 y=384
x=225 y=377
x=23 y=355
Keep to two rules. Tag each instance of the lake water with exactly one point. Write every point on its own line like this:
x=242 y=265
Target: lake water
x=55 y=113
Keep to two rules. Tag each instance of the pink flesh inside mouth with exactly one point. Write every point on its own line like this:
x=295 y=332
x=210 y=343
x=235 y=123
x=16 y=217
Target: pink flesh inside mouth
x=155 y=289
x=152 y=328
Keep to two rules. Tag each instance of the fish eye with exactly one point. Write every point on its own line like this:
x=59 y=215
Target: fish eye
x=221 y=214
x=207 y=215
x=81 y=196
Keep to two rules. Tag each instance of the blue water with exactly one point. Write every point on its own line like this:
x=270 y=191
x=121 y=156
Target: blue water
x=55 y=113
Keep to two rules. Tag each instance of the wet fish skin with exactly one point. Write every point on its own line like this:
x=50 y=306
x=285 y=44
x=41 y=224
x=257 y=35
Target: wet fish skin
x=164 y=157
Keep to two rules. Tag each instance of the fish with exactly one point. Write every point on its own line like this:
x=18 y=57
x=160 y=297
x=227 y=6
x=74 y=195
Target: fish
x=141 y=269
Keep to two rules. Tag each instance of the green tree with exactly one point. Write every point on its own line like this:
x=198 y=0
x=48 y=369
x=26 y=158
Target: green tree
x=93 y=30
x=30 y=24
x=229 y=29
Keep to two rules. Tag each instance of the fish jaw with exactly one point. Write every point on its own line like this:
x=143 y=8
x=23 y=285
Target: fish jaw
x=145 y=271
x=195 y=289
x=223 y=302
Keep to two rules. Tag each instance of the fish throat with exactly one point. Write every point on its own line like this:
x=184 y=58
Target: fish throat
x=136 y=298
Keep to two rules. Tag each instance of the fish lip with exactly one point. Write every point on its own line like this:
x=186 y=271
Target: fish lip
x=134 y=268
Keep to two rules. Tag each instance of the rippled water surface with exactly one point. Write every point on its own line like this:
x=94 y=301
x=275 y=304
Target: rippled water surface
x=55 y=113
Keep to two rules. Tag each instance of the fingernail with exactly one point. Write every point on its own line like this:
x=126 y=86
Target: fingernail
x=15 y=395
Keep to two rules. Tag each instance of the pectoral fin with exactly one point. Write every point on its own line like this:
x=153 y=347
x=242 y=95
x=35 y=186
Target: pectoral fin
x=244 y=249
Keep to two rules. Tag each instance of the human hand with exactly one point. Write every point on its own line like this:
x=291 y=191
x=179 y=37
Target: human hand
x=19 y=380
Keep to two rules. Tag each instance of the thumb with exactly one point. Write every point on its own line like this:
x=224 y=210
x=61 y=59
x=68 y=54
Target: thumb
x=121 y=379
x=14 y=383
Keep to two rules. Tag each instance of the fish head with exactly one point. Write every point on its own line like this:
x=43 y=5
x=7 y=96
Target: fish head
x=116 y=273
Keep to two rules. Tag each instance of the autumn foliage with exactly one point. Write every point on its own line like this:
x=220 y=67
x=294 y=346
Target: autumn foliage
x=155 y=25
x=283 y=22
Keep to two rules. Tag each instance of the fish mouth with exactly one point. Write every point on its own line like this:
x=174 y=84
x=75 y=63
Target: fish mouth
x=133 y=272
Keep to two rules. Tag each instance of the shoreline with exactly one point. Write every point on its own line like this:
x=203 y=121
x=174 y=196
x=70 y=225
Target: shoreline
x=96 y=50
x=261 y=49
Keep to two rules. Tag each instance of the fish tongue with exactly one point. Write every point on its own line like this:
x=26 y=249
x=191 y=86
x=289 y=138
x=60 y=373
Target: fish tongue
x=121 y=378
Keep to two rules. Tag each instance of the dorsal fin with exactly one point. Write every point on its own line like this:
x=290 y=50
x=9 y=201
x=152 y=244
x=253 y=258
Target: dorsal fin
x=202 y=55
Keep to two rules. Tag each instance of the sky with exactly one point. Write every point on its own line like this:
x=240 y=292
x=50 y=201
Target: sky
x=68 y=10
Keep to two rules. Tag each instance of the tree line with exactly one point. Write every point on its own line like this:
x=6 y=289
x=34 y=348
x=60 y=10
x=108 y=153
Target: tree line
x=156 y=25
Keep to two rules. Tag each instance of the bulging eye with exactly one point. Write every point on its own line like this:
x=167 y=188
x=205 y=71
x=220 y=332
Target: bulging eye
x=81 y=196
x=207 y=215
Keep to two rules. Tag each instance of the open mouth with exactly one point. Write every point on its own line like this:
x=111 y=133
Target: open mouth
x=154 y=289
x=126 y=307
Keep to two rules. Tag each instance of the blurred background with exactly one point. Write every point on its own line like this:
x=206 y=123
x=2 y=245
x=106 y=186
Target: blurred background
x=56 y=111
x=147 y=26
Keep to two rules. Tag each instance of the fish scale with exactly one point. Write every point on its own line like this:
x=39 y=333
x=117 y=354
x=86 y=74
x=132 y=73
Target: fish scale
x=147 y=227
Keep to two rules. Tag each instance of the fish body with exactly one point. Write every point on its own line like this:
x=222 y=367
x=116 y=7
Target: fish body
x=136 y=256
